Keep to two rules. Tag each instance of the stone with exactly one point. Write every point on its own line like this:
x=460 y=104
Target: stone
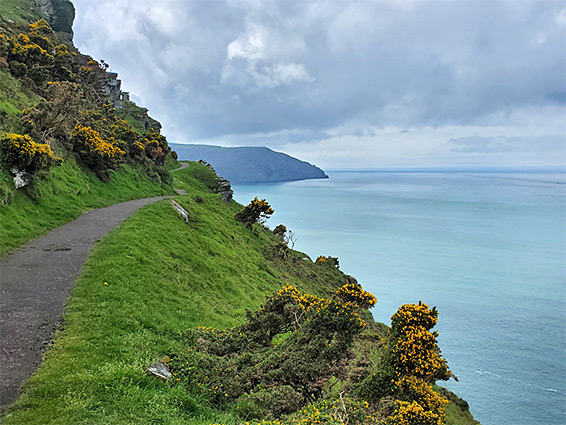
x=159 y=370
x=21 y=178
x=181 y=211
x=224 y=189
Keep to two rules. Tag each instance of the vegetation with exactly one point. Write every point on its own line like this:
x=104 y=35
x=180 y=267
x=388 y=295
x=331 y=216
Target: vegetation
x=53 y=111
x=153 y=293
x=22 y=153
x=158 y=288
x=257 y=211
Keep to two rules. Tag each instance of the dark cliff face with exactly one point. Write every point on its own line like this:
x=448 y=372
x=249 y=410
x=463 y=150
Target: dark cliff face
x=64 y=15
x=250 y=164
x=60 y=14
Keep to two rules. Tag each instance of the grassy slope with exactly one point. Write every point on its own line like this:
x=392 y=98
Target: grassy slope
x=163 y=276
x=19 y=11
x=13 y=99
x=63 y=196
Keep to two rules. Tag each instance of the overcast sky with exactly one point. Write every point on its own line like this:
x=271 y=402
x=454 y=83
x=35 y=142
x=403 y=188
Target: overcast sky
x=349 y=84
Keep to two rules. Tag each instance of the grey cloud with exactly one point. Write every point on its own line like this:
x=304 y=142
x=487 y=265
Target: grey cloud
x=477 y=144
x=218 y=69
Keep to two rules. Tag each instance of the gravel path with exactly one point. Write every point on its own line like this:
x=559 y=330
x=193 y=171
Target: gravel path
x=36 y=280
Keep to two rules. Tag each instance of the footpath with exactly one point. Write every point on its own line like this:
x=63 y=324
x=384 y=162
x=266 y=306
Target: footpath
x=36 y=280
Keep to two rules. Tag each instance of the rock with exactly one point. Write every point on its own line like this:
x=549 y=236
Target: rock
x=181 y=211
x=159 y=370
x=224 y=189
x=21 y=178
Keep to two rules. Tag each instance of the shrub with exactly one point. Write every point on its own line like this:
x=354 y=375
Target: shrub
x=414 y=348
x=280 y=231
x=257 y=211
x=415 y=361
x=97 y=154
x=21 y=152
x=280 y=360
x=327 y=260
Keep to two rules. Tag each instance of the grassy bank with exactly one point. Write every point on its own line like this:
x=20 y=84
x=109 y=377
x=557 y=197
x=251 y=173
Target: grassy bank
x=63 y=196
x=152 y=277
x=163 y=276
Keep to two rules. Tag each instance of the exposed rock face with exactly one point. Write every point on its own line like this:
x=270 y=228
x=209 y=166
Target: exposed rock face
x=60 y=14
x=224 y=189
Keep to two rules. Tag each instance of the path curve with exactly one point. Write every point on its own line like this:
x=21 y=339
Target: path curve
x=36 y=280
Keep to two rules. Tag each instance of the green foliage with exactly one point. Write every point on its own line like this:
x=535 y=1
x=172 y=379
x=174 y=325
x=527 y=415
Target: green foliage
x=162 y=275
x=62 y=197
x=257 y=211
x=20 y=11
x=13 y=99
x=22 y=153
x=99 y=155
x=242 y=366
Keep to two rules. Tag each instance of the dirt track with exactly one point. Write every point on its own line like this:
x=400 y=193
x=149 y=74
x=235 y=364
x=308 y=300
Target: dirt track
x=36 y=280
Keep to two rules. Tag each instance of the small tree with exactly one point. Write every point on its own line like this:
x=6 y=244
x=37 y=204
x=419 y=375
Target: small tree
x=257 y=211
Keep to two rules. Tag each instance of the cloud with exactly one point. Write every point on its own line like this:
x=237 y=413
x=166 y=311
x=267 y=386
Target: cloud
x=505 y=144
x=239 y=72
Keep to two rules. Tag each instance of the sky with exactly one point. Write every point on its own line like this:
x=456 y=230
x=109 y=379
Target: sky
x=346 y=84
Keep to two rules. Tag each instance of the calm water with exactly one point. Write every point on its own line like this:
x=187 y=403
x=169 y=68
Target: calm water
x=489 y=250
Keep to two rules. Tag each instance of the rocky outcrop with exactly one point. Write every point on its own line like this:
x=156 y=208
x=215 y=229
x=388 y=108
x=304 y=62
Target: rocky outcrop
x=60 y=14
x=21 y=178
x=159 y=370
x=224 y=189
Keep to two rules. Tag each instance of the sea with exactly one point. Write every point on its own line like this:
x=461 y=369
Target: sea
x=488 y=249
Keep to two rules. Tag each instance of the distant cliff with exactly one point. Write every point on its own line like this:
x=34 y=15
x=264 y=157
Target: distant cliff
x=250 y=164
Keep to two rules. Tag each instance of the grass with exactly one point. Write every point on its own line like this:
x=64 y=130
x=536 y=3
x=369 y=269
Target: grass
x=13 y=99
x=62 y=196
x=163 y=276
x=19 y=11
x=147 y=280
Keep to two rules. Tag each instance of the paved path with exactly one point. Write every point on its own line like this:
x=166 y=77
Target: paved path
x=36 y=280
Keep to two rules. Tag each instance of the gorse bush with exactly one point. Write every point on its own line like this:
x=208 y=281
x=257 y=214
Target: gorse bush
x=99 y=155
x=321 y=259
x=248 y=368
x=74 y=112
x=414 y=358
x=22 y=153
x=257 y=211
x=284 y=362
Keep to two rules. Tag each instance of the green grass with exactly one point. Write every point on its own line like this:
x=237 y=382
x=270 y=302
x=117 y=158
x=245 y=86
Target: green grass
x=163 y=276
x=19 y=11
x=63 y=196
x=13 y=99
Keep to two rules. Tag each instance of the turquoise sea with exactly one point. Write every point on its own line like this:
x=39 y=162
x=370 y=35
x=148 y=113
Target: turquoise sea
x=488 y=249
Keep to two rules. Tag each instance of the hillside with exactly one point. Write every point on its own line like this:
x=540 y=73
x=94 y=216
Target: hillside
x=250 y=329
x=69 y=140
x=250 y=164
x=157 y=276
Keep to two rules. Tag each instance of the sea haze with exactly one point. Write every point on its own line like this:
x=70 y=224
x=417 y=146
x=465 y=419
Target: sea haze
x=488 y=249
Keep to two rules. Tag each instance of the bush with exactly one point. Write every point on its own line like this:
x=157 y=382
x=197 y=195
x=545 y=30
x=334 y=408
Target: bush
x=97 y=154
x=21 y=152
x=327 y=260
x=257 y=211
x=280 y=360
